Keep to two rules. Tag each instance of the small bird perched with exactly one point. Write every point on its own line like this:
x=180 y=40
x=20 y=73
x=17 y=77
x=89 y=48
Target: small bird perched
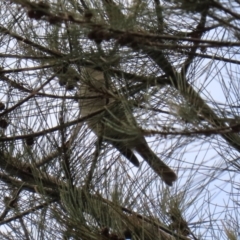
x=116 y=123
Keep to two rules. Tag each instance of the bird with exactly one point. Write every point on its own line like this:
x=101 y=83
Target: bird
x=115 y=123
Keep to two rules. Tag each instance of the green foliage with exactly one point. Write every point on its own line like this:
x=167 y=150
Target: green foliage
x=174 y=64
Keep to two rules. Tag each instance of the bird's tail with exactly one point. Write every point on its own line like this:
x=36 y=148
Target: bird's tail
x=165 y=172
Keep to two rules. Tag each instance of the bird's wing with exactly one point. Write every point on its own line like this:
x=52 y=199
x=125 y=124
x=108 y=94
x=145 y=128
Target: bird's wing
x=126 y=152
